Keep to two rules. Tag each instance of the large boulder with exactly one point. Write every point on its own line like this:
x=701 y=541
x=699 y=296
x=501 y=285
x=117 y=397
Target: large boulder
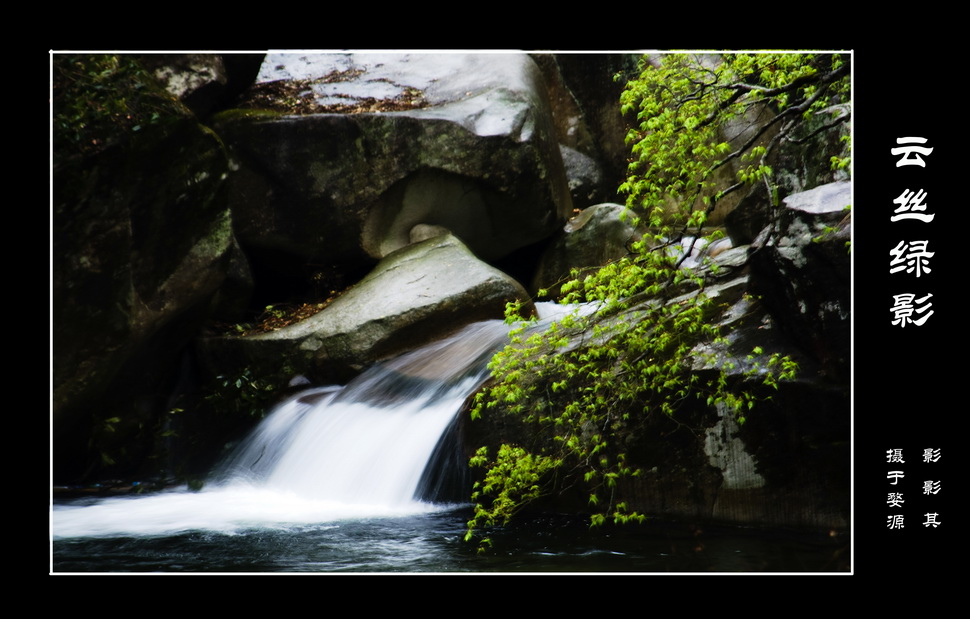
x=386 y=142
x=141 y=240
x=413 y=296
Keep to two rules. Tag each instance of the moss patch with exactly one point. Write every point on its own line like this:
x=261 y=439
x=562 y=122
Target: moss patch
x=101 y=99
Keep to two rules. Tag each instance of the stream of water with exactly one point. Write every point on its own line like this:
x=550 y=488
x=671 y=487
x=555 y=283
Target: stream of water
x=354 y=479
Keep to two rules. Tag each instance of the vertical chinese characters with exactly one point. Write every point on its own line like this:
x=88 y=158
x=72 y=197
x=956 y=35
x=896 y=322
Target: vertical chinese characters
x=911 y=257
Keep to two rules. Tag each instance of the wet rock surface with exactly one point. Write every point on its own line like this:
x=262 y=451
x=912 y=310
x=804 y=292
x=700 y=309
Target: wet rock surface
x=413 y=296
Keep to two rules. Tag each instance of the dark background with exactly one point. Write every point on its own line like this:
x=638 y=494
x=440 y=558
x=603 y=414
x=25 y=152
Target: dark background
x=907 y=393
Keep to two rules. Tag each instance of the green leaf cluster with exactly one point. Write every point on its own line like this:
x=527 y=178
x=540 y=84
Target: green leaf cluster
x=685 y=104
x=584 y=383
x=513 y=479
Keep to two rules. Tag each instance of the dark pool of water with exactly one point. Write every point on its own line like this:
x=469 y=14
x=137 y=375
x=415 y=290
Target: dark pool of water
x=432 y=543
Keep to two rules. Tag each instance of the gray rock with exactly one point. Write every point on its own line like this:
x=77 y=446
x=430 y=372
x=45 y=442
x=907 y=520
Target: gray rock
x=203 y=81
x=195 y=79
x=141 y=243
x=585 y=100
x=423 y=232
x=585 y=178
x=830 y=198
x=413 y=296
x=802 y=264
x=477 y=157
x=592 y=238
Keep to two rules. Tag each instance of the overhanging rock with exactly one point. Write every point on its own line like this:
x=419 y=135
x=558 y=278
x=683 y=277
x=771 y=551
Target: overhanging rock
x=472 y=151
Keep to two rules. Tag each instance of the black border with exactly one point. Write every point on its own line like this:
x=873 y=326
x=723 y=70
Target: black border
x=906 y=393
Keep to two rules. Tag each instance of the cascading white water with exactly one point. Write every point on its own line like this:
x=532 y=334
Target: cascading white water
x=369 y=443
x=325 y=454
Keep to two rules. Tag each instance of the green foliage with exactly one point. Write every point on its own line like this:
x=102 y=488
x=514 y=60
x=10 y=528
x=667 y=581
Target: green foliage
x=512 y=479
x=242 y=394
x=101 y=99
x=842 y=163
x=585 y=383
x=684 y=104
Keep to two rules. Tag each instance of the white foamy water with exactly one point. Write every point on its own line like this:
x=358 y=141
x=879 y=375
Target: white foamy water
x=322 y=456
x=231 y=509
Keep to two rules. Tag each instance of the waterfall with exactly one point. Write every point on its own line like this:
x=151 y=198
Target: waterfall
x=371 y=448
x=371 y=441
